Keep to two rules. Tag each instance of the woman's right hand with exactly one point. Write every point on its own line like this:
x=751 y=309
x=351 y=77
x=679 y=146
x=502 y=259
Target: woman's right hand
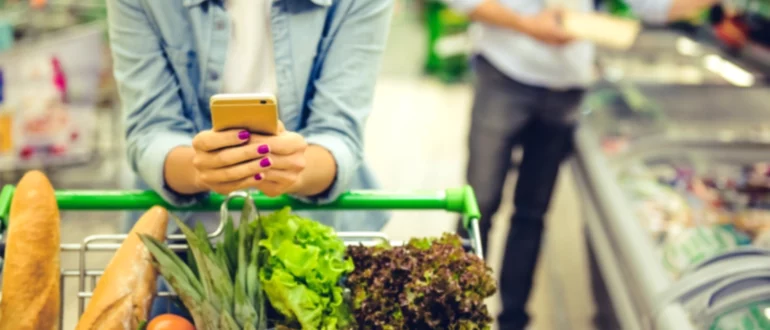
x=226 y=161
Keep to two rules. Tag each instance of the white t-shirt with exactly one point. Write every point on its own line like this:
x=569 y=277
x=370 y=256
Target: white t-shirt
x=250 y=64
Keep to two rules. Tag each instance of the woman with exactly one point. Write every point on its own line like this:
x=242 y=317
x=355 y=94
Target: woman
x=319 y=57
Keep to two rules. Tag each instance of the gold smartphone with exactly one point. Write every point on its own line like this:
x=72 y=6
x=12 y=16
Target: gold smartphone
x=257 y=113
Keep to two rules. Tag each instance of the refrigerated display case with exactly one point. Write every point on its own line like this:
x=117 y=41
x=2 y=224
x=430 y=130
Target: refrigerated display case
x=671 y=166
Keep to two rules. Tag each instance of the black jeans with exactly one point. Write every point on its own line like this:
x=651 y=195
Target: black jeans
x=507 y=114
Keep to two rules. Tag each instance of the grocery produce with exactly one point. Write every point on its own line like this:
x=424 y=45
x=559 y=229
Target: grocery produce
x=31 y=270
x=294 y=270
x=169 y=322
x=297 y=261
x=426 y=284
x=696 y=212
x=695 y=245
x=123 y=296
x=753 y=316
x=218 y=288
x=302 y=272
x=753 y=221
x=762 y=239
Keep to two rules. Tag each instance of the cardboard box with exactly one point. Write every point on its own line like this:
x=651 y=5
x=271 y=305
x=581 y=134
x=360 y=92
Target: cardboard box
x=602 y=29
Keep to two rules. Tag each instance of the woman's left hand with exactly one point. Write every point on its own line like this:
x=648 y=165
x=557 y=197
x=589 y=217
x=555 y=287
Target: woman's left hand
x=282 y=164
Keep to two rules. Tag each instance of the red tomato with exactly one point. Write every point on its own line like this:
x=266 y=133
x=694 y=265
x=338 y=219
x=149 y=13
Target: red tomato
x=170 y=322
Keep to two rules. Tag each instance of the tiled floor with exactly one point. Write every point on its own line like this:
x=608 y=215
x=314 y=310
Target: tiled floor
x=415 y=140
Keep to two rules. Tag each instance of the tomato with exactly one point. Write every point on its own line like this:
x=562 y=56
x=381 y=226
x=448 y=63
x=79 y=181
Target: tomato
x=170 y=322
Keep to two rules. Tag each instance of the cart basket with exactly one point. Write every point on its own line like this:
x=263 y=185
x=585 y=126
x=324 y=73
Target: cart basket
x=457 y=200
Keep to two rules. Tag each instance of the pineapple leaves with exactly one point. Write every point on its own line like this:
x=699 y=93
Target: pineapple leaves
x=214 y=284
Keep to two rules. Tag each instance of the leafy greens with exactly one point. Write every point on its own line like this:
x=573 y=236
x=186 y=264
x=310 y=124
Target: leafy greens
x=304 y=264
x=426 y=284
x=214 y=285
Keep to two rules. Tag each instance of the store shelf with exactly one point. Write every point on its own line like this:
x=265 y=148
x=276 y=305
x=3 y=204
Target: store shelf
x=37 y=140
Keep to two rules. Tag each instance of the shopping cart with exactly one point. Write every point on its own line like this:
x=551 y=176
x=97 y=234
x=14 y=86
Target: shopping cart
x=456 y=200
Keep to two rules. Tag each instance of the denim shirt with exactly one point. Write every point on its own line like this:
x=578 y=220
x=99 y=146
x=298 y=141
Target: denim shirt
x=169 y=58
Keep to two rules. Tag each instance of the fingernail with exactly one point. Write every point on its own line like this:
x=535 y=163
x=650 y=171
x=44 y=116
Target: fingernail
x=243 y=135
x=263 y=149
x=258 y=177
x=265 y=162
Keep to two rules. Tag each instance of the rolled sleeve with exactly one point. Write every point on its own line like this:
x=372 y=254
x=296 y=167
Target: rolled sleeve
x=150 y=165
x=652 y=11
x=149 y=93
x=344 y=90
x=465 y=6
x=347 y=164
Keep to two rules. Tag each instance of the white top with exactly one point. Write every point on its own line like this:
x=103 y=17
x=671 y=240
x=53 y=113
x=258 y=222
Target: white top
x=535 y=63
x=250 y=64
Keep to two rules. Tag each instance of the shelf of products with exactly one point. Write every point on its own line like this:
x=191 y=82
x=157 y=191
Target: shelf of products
x=50 y=90
x=56 y=91
x=674 y=178
x=449 y=44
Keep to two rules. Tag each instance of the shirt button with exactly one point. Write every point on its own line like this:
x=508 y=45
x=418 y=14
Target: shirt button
x=220 y=25
x=213 y=75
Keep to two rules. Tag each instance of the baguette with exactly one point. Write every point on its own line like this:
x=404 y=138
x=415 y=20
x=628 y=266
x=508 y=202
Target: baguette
x=123 y=296
x=31 y=270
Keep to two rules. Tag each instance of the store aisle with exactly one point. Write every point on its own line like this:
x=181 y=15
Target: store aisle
x=415 y=140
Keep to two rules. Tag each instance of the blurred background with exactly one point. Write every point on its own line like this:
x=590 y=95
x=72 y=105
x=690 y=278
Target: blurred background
x=671 y=167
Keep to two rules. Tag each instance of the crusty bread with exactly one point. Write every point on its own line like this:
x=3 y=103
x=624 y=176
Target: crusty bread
x=123 y=296
x=31 y=270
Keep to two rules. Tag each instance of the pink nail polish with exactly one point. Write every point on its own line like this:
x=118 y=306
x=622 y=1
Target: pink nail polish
x=258 y=177
x=265 y=162
x=243 y=135
x=263 y=149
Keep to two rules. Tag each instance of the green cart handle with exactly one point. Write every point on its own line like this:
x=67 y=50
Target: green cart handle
x=458 y=200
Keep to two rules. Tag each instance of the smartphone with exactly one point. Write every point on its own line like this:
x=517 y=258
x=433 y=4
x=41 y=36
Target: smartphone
x=257 y=113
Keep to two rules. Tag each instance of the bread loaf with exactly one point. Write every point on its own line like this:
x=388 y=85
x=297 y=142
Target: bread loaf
x=123 y=296
x=31 y=270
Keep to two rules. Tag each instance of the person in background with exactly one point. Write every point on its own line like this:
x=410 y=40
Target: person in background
x=530 y=80
x=319 y=57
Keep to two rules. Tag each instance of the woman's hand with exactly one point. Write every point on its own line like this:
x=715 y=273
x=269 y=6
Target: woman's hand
x=233 y=160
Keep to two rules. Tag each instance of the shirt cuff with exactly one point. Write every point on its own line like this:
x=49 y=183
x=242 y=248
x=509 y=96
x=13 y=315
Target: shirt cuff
x=151 y=164
x=347 y=164
x=465 y=6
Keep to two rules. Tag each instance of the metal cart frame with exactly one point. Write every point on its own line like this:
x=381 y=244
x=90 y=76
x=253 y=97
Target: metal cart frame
x=457 y=200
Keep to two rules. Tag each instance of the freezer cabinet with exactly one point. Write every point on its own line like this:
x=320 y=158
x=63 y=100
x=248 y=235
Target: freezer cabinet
x=638 y=279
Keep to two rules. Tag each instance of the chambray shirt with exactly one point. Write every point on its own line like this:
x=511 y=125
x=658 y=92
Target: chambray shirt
x=532 y=62
x=169 y=57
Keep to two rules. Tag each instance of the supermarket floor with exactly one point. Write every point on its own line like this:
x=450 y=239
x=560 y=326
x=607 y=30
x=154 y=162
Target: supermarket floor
x=415 y=140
